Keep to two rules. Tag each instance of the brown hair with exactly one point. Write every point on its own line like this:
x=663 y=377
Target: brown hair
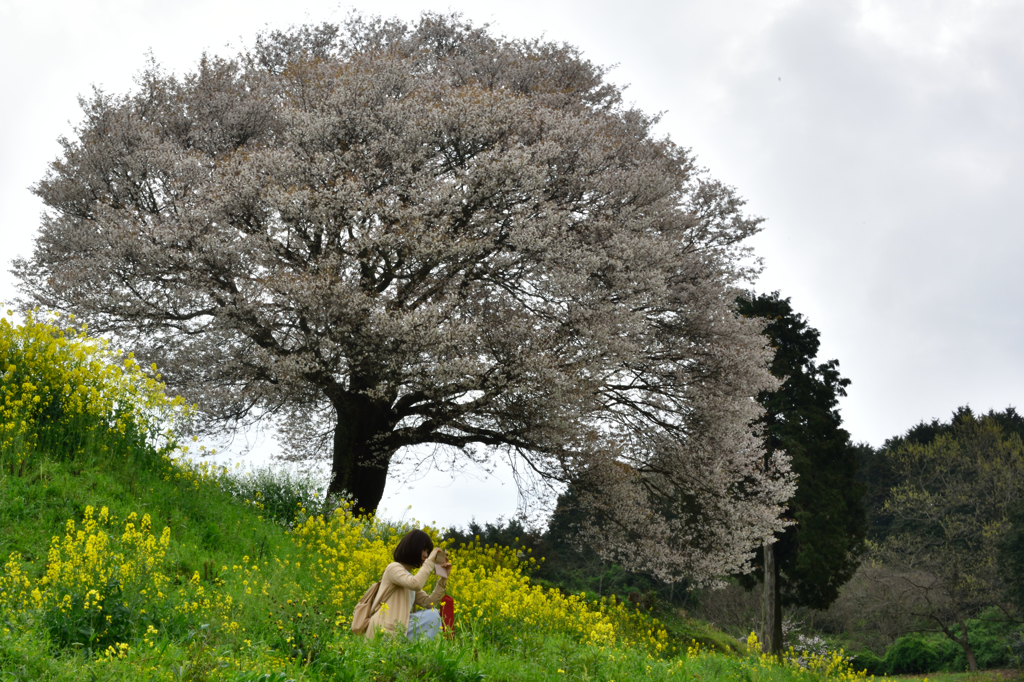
x=410 y=548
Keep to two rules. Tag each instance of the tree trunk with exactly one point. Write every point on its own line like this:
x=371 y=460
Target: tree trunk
x=771 y=613
x=778 y=640
x=358 y=468
x=965 y=642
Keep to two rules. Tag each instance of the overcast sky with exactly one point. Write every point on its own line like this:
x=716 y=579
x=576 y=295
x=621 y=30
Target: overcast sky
x=882 y=141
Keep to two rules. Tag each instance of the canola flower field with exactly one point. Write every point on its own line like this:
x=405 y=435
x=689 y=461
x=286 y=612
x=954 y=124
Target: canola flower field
x=123 y=559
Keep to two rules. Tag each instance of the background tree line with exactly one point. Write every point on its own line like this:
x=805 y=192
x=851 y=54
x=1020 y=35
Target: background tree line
x=915 y=548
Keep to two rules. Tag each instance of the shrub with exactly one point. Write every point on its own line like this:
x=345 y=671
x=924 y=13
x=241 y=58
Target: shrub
x=917 y=653
x=869 y=662
x=1015 y=650
x=825 y=663
x=281 y=495
x=991 y=637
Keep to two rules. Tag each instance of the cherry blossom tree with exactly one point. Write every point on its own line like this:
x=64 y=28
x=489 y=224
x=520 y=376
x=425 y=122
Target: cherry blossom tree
x=379 y=235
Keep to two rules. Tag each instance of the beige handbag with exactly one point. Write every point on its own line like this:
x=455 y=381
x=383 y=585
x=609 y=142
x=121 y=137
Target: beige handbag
x=365 y=608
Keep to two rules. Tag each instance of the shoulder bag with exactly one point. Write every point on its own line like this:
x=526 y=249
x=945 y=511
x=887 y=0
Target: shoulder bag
x=365 y=608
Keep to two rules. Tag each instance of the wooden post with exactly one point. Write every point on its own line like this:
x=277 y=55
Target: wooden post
x=768 y=612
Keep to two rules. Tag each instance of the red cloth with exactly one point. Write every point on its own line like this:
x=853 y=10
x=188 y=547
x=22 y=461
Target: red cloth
x=447 y=609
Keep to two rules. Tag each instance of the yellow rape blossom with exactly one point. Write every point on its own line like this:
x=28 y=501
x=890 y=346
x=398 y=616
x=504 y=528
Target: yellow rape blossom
x=58 y=384
x=490 y=585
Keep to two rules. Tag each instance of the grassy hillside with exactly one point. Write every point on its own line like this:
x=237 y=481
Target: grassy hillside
x=123 y=561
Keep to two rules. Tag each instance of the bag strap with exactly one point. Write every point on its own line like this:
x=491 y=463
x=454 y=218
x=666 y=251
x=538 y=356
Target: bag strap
x=378 y=597
x=375 y=600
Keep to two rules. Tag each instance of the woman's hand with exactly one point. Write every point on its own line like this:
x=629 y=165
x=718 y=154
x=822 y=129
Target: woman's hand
x=442 y=567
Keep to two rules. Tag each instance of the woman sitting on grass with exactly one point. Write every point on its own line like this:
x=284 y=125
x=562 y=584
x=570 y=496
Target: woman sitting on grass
x=399 y=590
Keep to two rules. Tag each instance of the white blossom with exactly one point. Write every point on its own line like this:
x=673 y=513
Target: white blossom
x=383 y=235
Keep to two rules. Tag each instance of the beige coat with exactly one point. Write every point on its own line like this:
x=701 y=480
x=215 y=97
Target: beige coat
x=393 y=596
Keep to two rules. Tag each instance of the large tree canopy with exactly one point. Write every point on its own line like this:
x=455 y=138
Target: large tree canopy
x=381 y=235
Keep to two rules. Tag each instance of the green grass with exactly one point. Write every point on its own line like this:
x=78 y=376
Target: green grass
x=978 y=676
x=207 y=526
x=684 y=629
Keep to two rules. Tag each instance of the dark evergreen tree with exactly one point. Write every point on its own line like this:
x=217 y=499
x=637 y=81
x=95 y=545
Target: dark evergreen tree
x=1011 y=555
x=875 y=474
x=924 y=433
x=819 y=553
